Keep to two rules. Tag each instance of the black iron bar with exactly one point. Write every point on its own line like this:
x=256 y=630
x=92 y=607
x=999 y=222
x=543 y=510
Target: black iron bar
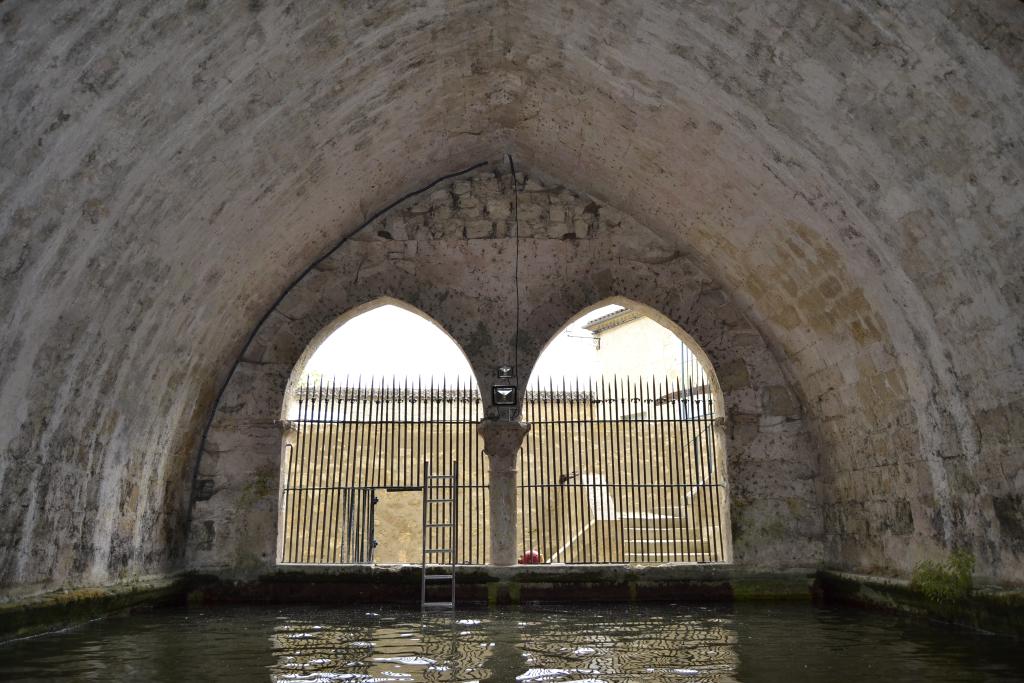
x=605 y=454
x=315 y=466
x=705 y=479
x=472 y=478
x=455 y=439
x=525 y=490
x=398 y=432
x=359 y=496
x=485 y=473
x=582 y=501
x=574 y=471
x=322 y=513
x=708 y=474
x=392 y=475
x=361 y=522
x=528 y=474
x=450 y=458
x=328 y=477
x=437 y=454
x=409 y=464
x=683 y=463
x=650 y=471
x=340 y=480
x=427 y=406
x=634 y=472
x=570 y=522
x=657 y=452
x=334 y=458
x=376 y=404
x=604 y=463
x=359 y=465
x=371 y=495
x=698 y=471
x=537 y=541
x=583 y=475
x=555 y=511
x=485 y=466
x=533 y=464
x=349 y=468
x=354 y=554
x=419 y=436
x=595 y=493
x=670 y=481
x=479 y=474
x=652 y=523
x=474 y=456
x=541 y=428
x=468 y=478
x=694 y=422
x=671 y=471
x=622 y=479
x=656 y=455
x=445 y=457
x=694 y=489
x=593 y=461
x=539 y=461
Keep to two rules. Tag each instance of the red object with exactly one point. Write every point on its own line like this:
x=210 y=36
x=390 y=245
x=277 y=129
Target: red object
x=530 y=557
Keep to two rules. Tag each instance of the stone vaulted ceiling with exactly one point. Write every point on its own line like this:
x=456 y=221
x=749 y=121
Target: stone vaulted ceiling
x=850 y=172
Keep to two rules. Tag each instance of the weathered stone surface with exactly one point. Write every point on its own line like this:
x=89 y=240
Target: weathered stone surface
x=849 y=173
x=771 y=461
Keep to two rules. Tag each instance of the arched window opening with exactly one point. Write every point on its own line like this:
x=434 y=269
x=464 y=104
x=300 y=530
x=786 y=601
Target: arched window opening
x=378 y=393
x=622 y=463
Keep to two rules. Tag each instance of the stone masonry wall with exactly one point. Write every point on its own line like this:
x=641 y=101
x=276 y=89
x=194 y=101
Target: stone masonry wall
x=449 y=255
x=847 y=173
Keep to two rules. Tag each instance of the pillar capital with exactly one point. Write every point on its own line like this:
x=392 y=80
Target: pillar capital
x=502 y=439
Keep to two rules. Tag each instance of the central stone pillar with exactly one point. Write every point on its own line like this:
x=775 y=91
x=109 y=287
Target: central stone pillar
x=502 y=440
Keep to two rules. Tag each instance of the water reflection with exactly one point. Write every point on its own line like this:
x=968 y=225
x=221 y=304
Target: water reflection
x=526 y=645
x=652 y=644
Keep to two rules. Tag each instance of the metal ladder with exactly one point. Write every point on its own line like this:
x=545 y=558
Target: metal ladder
x=440 y=534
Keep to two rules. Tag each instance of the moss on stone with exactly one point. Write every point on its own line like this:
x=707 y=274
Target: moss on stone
x=947 y=582
x=61 y=609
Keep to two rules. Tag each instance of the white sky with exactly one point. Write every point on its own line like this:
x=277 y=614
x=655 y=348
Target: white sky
x=391 y=342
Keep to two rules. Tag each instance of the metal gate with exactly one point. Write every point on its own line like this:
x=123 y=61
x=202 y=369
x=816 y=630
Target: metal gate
x=621 y=471
x=348 y=443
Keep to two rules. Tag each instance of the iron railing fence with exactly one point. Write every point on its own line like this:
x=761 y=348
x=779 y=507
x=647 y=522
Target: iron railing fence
x=617 y=471
x=621 y=471
x=350 y=443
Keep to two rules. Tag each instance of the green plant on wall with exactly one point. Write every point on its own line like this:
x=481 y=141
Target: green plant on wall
x=945 y=582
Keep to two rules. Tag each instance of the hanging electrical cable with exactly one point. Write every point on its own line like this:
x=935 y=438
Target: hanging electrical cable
x=515 y=223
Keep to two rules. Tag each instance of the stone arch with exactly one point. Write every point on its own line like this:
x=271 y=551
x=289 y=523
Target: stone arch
x=720 y=434
x=449 y=254
x=663 y=320
x=320 y=337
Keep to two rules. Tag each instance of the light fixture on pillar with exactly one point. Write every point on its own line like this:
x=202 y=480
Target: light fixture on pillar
x=503 y=395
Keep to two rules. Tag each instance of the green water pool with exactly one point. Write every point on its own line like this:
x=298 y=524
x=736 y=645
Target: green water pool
x=758 y=642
